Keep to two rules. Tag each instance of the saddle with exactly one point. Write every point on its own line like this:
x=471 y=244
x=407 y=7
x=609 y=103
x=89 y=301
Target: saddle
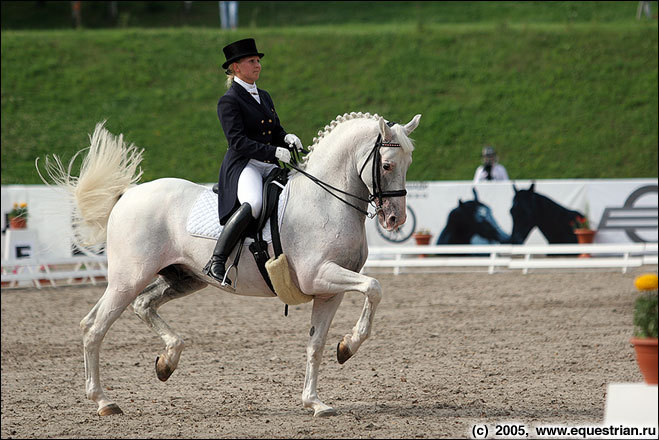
x=273 y=184
x=275 y=271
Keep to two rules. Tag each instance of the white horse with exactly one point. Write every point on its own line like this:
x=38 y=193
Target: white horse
x=152 y=259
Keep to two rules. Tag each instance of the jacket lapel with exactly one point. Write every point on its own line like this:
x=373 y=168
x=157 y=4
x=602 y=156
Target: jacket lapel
x=245 y=96
x=265 y=104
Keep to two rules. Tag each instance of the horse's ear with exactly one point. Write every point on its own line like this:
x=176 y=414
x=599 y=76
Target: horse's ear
x=410 y=126
x=514 y=188
x=532 y=187
x=459 y=202
x=385 y=131
x=473 y=189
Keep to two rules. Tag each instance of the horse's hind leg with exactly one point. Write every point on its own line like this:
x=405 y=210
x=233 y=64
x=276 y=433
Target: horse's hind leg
x=94 y=327
x=174 y=282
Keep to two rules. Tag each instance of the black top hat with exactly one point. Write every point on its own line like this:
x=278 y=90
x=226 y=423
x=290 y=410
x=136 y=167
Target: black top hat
x=240 y=49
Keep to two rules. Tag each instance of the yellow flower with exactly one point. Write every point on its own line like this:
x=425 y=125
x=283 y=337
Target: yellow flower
x=19 y=210
x=646 y=281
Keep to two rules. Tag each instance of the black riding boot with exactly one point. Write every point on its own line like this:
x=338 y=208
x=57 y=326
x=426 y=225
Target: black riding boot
x=229 y=236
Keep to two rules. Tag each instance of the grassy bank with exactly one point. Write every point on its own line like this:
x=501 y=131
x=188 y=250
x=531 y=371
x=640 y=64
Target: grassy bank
x=557 y=100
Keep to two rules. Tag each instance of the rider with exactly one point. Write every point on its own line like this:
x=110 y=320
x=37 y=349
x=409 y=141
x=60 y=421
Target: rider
x=256 y=140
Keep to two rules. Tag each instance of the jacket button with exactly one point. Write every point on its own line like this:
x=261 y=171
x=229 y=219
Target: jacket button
x=262 y=122
x=270 y=121
x=269 y=132
x=263 y=133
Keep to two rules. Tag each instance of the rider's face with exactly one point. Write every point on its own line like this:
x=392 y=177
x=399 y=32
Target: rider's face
x=489 y=159
x=248 y=69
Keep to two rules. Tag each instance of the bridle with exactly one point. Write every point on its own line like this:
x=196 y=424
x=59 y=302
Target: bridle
x=374 y=198
x=378 y=194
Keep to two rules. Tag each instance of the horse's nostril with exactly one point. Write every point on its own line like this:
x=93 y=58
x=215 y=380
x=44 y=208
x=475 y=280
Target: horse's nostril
x=392 y=221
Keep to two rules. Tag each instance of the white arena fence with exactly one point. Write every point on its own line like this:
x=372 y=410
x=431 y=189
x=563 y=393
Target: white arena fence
x=495 y=258
x=52 y=272
x=42 y=272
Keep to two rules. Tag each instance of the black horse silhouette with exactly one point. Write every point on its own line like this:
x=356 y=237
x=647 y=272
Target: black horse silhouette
x=531 y=209
x=472 y=223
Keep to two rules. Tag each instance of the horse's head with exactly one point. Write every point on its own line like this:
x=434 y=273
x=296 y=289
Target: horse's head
x=476 y=218
x=522 y=212
x=484 y=223
x=388 y=163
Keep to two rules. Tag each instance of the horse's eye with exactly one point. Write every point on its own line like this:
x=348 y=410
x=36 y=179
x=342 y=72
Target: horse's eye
x=386 y=166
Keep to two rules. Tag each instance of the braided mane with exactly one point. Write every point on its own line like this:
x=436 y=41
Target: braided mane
x=405 y=142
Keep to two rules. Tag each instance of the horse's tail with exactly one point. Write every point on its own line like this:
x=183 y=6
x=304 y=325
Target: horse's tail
x=107 y=171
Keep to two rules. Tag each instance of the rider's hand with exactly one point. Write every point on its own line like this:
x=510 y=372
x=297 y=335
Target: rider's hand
x=293 y=141
x=283 y=154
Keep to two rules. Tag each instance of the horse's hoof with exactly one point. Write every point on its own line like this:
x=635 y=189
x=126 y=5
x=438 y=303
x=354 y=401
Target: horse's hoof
x=325 y=412
x=163 y=370
x=342 y=352
x=109 y=410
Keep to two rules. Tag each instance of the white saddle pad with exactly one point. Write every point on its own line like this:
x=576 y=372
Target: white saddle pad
x=203 y=220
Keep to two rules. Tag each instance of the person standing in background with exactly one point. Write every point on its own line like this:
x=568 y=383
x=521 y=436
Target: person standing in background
x=229 y=15
x=491 y=170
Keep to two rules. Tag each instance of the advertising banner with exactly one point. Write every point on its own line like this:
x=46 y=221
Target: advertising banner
x=619 y=210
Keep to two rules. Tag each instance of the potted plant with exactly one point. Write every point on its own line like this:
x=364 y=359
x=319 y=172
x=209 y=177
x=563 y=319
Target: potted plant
x=18 y=216
x=585 y=235
x=422 y=236
x=645 y=327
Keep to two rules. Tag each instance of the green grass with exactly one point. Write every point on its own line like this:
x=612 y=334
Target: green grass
x=558 y=99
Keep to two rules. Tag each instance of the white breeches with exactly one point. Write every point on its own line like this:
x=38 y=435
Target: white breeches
x=250 y=184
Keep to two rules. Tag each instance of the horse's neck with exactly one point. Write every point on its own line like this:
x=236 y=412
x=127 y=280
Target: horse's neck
x=335 y=161
x=453 y=233
x=314 y=217
x=553 y=221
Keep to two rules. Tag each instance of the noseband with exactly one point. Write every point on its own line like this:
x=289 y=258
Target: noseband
x=375 y=198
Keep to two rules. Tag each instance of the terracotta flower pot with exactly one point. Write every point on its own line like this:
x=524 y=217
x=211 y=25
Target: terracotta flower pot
x=422 y=239
x=646 y=357
x=585 y=236
x=17 y=223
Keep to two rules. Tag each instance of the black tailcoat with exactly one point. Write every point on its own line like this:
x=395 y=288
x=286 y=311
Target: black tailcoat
x=253 y=131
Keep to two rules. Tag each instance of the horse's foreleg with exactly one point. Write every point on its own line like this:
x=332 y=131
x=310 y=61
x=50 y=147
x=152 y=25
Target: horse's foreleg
x=336 y=280
x=324 y=309
x=94 y=327
x=340 y=279
x=362 y=330
x=145 y=306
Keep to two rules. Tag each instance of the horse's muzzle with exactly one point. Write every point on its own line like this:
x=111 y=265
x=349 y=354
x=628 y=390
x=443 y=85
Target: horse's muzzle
x=393 y=215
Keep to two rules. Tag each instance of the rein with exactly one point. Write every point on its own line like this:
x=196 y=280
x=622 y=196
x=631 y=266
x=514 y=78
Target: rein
x=374 y=199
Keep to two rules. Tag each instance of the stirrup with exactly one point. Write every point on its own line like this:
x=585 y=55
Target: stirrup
x=234 y=265
x=226 y=281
